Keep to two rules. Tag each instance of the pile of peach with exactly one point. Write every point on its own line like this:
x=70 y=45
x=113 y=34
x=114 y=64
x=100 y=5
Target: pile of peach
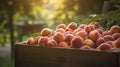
x=85 y=36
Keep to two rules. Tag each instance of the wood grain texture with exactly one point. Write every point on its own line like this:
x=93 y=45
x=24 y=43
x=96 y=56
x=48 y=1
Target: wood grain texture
x=36 y=56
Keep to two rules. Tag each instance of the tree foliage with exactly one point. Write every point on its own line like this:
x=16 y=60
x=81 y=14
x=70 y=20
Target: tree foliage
x=9 y=9
x=65 y=10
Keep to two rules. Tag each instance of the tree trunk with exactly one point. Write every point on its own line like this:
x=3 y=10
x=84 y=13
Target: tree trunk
x=11 y=28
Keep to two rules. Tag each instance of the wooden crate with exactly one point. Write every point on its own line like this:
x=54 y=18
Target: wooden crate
x=36 y=56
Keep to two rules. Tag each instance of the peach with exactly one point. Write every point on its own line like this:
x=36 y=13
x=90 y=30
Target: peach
x=112 y=44
x=36 y=39
x=58 y=37
x=104 y=47
x=96 y=24
x=92 y=27
x=77 y=30
x=116 y=35
x=108 y=38
x=68 y=32
x=82 y=34
x=100 y=30
x=88 y=29
x=99 y=41
x=115 y=29
x=89 y=42
x=63 y=44
x=46 y=32
x=77 y=42
x=50 y=38
x=107 y=32
x=68 y=38
x=68 y=29
x=86 y=47
x=52 y=43
x=43 y=41
x=60 y=30
x=82 y=26
x=63 y=26
x=94 y=35
x=117 y=43
x=72 y=25
x=30 y=41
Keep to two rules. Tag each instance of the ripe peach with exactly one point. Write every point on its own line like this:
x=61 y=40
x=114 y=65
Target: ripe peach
x=43 y=41
x=107 y=32
x=117 y=43
x=104 y=47
x=30 y=41
x=88 y=29
x=58 y=37
x=82 y=34
x=77 y=42
x=72 y=25
x=77 y=30
x=61 y=26
x=68 y=29
x=68 y=38
x=92 y=27
x=89 y=42
x=100 y=30
x=46 y=32
x=115 y=29
x=108 y=38
x=36 y=39
x=82 y=26
x=96 y=24
x=94 y=35
x=86 y=47
x=52 y=43
x=60 y=30
x=112 y=44
x=116 y=35
x=50 y=38
x=63 y=44
x=99 y=41
x=68 y=32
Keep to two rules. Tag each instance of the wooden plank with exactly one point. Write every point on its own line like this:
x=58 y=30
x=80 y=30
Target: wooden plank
x=36 y=56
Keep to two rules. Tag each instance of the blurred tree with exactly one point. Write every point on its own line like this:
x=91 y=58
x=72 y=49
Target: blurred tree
x=66 y=9
x=109 y=18
x=8 y=8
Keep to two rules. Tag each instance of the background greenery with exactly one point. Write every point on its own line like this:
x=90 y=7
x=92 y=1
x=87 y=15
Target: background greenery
x=52 y=12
